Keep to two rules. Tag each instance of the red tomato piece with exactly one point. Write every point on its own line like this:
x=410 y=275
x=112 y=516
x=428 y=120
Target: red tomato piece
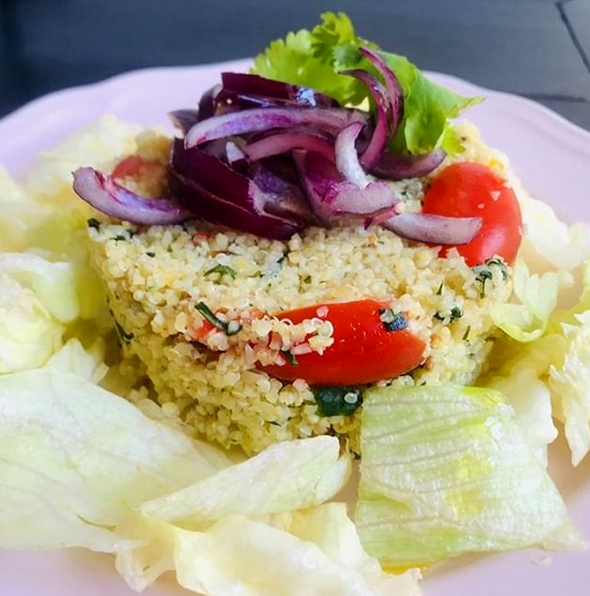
x=466 y=189
x=364 y=350
x=133 y=166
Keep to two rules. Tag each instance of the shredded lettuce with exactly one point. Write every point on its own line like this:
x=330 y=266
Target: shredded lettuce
x=447 y=470
x=315 y=59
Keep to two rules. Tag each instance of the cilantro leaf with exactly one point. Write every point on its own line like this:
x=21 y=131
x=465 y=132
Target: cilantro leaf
x=315 y=59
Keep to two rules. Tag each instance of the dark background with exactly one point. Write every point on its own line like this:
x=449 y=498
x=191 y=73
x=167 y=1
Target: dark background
x=536 y=48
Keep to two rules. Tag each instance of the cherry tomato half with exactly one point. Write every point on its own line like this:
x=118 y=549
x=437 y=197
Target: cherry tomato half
x=134 y=166
x=364 y=350
x=466 y=189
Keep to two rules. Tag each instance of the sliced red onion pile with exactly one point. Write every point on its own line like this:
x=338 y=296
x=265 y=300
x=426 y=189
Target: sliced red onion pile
x=270 y=158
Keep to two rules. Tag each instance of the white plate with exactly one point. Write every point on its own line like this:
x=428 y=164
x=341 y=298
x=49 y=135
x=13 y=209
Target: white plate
x=552 y=158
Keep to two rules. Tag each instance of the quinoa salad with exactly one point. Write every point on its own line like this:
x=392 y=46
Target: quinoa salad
x=155 y=277
x=312 y=338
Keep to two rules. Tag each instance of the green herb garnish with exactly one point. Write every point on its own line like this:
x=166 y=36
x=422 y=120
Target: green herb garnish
x=222 y=270
x=483 y=273
x=337 y=401
x=123 y=335
x=291 y=359
x=229 y=328
x=453 y=314
x=315 y=59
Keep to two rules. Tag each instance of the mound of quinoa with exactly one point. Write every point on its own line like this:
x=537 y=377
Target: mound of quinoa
x=160 y=282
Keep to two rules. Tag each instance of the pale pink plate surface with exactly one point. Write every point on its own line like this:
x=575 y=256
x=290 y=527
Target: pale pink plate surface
x=552 y=158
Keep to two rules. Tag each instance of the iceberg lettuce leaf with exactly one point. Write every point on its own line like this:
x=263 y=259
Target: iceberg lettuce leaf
x=531 y=399
x=74 y=358
x=560 y=359
x=536 y=298
x=550 y=243
x=75 y=459
x=284 y=477
x=29 y=334
x=569 y=382
x=447 y=470
x=239 y=555
x=18 y=214
x=39 y=300
x=99 y=143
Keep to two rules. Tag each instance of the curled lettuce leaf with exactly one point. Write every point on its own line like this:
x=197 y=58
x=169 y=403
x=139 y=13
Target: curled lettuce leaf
x=569 y=382
x=50 y=180
x=447 y=470
x=285 y=477
x=74 y=358
x=18 y=213
x=527 y=318
x=76 y=459
x=39 y=299
x=81 y=467
x=53 y=283
x=550 y=243
x=313 y=551
x=560 y=360
x=531 y=400
x=29 y=334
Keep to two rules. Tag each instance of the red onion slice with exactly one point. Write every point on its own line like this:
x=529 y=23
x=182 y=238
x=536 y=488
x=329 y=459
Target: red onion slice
x=209 y=172
x=433 y=229
x=376 y=200
x=217 y=210
x=184 y=120
x=208 y=103
x=400 y=167
x=331 y=197
x=282 y=197
x=383 y=120
x=394 y=89
x=104 y=194
x=347 y=160
x=243 y=90
x=283 y=141
x=234 y=154
x=201 y=181
x=258 y=119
